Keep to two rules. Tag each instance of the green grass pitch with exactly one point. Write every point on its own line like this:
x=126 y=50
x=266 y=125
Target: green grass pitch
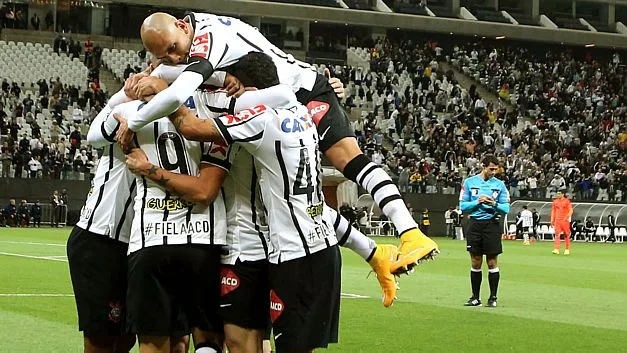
x=547 y=303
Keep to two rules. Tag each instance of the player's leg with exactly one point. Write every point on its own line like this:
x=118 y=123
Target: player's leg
x=179 y=344
x=304 y=301
x=566 y=228
x=379 y=257
x=154 y=344
x=200 y=296
x=245 y=304
x=526 y=235
x=98 y=273
x=153 y=306
x=338 y=143
x=493 y=247
x=474 y=246
x=494 y=276
x=556 y=238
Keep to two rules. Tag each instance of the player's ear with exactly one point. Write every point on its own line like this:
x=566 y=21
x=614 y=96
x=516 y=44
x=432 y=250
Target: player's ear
x=182 y=25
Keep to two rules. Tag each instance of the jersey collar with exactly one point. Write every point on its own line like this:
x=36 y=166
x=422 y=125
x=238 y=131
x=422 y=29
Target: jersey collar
x=190 y=18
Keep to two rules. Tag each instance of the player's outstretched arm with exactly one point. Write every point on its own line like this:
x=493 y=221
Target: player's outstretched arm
x=195 y=129
x=101 y=132
x=167 y=101
x=202 y=189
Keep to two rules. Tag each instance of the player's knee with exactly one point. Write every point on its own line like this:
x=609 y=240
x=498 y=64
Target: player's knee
x=99 y=344
x=347 y=160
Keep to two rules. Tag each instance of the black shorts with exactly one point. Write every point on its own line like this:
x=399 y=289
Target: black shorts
x=172 y=288
x=483 y=237
x=326 y=112
x=245 y=294
x=98 y=270
x=305 y=301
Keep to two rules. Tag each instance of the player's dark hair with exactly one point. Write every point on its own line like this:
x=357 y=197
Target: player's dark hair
x=489 y=158
x=256 y=69
x=525 y=207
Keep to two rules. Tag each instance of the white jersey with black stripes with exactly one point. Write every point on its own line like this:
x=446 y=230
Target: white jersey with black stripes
x=224 y=40
x=160 y=217
x=287 y=163
x=108 y=209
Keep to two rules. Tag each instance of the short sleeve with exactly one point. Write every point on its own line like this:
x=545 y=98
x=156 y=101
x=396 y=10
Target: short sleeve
x=247 y=126
x=217 y=154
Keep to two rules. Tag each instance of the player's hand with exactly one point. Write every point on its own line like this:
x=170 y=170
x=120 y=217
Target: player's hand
x=125 y=135
x=131 y=82
x=233 y=86
x=137 y=161
x=148 y=86
x=338 y=86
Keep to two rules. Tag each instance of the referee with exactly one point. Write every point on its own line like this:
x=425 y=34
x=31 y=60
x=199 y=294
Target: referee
x=484 y=198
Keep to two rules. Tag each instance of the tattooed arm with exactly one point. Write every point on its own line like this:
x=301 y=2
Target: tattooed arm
x=201 y=189
x=195 y=129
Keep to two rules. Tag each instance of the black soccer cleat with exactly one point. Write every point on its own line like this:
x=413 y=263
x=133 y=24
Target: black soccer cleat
x=491 y=302
x=472 y=302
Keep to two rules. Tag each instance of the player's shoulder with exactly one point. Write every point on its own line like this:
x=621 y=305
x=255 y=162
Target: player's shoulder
x=257 y=113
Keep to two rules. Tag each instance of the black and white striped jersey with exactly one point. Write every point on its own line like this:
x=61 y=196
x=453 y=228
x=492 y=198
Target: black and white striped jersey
x=160 y=217
x=108 y=209
x=247 y=227
x=284 y=143
x=224 y=40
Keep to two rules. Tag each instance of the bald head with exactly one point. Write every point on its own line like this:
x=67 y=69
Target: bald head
x=166 y=37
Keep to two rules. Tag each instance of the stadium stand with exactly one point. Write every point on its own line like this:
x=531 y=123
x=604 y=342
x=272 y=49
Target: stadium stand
x=327 y=3
x=45 y=112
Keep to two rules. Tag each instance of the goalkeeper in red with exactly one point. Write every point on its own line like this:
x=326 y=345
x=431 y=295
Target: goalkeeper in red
x=561 y=212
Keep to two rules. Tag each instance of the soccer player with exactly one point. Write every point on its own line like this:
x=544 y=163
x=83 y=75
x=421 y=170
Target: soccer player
x=484 y=198
x=174 y=248
x=561 y=211
x=527 y=223
x=259 y=69
x=97 y=246
x=207 y=42
x=305 y=264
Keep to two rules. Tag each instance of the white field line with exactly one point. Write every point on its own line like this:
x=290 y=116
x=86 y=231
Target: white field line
x=34 y=257
x=31 y=243
x=34 y=295
x=353 y=296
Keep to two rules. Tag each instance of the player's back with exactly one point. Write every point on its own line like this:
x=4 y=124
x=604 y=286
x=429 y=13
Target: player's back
x=527 y=218
x=287 y=160
x=224 y=40
x=160 y=217
x=108 y=210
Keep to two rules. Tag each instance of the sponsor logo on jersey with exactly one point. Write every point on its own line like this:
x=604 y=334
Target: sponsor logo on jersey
x=296 y=124
x=276 y=306
x=168 y=205
x=86 y=212
x=115 y=311
x=315 y=210
x=229 y=281
x=495 y=194
x=245 y=115
x=317 y=110
x=200 y=46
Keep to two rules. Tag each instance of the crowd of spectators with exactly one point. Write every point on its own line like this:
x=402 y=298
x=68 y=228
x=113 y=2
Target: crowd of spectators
x=429 y=132
x=43 y=126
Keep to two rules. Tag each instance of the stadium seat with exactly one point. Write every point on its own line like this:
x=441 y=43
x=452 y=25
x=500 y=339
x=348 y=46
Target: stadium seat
x=621 y=234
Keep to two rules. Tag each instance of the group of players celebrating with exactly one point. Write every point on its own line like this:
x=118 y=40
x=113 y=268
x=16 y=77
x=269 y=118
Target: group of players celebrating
x=207 y=216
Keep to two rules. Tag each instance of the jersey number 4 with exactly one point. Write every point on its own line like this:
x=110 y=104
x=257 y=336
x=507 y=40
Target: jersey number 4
x=176 y=141
x=303 y=187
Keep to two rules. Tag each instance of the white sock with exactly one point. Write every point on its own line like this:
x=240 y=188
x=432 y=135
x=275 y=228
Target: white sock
x=526 y=236
x=348 y=236
x=385 y=193
x=206 y=350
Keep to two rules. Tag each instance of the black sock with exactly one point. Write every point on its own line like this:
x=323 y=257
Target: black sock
x=493 y=277
x=475 y=282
